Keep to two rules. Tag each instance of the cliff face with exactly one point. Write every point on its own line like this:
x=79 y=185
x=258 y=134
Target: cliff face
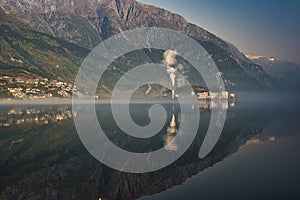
x=87 y=23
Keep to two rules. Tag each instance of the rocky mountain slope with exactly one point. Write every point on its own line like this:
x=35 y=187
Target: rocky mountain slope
x=24 y=51
x=86 y=23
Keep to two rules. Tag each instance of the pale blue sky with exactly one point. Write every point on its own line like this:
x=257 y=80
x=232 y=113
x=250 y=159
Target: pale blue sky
x=257 y=27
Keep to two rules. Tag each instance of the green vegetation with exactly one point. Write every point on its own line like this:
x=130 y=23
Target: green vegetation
x=30 y=52
x=78 y=30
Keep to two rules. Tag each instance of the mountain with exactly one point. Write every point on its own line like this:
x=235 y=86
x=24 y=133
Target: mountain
x=24 y=51
x=87 y=23
x=287 y=71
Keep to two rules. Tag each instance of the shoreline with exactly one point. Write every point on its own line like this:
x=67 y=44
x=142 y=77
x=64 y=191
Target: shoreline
x=62 y=101
x=54 y=101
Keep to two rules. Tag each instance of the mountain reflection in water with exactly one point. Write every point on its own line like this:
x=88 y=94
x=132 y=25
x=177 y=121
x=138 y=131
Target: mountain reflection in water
x=42 y=156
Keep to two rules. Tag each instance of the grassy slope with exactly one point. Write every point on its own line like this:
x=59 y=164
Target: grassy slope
x=23 y=50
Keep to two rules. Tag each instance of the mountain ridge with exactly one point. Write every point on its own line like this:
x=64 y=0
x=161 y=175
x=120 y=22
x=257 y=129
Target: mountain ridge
x=285 y=70
x=87 y=23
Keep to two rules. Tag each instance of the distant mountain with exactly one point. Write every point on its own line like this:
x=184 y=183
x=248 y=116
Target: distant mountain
x=87 y=23
x=286 y=71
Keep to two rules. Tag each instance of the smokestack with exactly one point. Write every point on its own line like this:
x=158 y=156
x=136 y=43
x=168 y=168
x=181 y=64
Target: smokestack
x=169 y=61
x=149 y=89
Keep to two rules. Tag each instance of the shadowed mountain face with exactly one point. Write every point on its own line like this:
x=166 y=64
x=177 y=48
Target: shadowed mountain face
x=87 y=23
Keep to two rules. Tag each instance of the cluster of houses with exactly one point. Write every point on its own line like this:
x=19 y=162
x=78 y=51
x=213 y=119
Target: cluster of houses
x=208 y=105
x=215 y=95
x=35 y=88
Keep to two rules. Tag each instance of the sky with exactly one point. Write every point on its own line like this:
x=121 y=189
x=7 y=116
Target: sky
x=256 y=27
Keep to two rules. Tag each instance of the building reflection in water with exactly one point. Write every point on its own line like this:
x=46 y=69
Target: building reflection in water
x=208 y=105
x=55 y=124
x=204 y=106
x=170 y=140
x=18 y=116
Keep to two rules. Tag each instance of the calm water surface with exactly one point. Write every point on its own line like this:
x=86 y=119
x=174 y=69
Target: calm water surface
x=256 y=157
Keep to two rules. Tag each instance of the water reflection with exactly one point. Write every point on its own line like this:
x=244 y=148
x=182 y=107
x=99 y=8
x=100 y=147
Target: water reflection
x=37 y=115
x=48 y=161
x=170 y=141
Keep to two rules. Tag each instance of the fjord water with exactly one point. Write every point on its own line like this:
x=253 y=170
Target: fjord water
x=256 y=157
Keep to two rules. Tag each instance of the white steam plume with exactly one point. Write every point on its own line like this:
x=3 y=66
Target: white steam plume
x=169 y=60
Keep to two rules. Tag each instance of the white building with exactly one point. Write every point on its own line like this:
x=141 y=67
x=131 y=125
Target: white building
x=224 y=95
x=214 y=95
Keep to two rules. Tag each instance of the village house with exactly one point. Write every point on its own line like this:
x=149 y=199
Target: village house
x=203 y=95
x=214 y=95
